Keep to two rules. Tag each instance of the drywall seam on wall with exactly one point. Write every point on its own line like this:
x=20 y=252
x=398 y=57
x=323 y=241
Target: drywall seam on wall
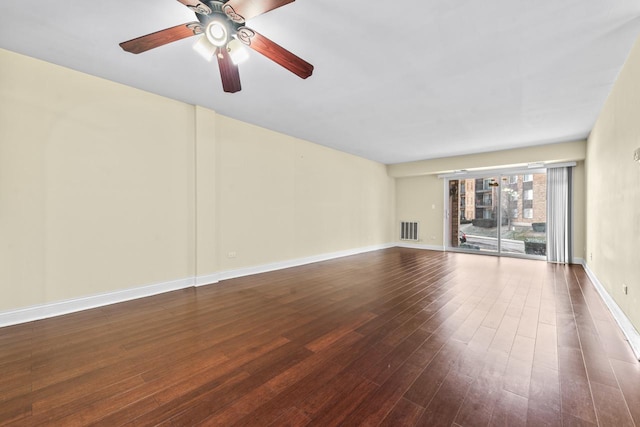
x=629 y=331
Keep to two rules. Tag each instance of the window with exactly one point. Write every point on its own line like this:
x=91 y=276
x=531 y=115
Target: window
x=503 y=208
x=527 y=195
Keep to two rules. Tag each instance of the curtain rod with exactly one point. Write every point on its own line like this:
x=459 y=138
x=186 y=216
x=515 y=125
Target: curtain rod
x=504 y=171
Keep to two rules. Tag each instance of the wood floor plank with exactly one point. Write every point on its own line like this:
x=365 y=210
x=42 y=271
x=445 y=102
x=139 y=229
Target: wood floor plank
x=198 y=380
x=405 y=413
x=482 y=396
x=332 y=336
x=241 y=406
x=316 y=371
x=611 y=408
x=517 y=377
x=628 y=375
x=510 y=410
x=382 y=401
x=15 y=410
x=396 y=337
x=67 y=406
x=268 y=412
x=577 y=400
x=334 y=412
x=292 y=417
x=429 y=381
x=444 y=406
x=544 y=397
x=472 y=360
x=193 y=407
x=546 y=346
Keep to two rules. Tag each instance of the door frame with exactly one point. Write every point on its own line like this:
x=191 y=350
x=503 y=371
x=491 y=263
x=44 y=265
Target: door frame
x=484 y=173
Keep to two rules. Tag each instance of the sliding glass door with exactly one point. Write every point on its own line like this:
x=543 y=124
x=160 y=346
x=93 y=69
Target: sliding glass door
x=499 y=214
x=474 y=225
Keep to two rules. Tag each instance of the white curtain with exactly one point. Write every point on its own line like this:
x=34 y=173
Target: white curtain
x=558 y=249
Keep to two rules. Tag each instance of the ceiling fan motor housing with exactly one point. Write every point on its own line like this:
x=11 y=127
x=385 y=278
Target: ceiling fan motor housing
x=216 y=17
x=217 y=12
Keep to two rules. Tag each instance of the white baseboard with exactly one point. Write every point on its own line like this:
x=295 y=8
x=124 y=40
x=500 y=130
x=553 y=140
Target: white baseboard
x=420 y=246
x=43 y=311
x=623 y=321
x=264 y=268
x=579 y=261
x=59 y=308
x=208 y=279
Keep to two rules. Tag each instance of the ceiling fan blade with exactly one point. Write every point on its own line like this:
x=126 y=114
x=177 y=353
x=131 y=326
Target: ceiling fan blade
x=197 y=6
x=162 y=37
x=241 y=10
x=228 y=72
x=275 y=52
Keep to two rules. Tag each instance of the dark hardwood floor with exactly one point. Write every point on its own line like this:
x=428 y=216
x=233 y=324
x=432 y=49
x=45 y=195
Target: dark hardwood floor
x=395 y=337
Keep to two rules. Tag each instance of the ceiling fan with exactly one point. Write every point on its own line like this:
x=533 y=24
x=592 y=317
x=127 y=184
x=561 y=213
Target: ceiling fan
x=222 y=23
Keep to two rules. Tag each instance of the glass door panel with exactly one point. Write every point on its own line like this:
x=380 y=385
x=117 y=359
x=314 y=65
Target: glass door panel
x=524 y=209
x=503 y=214
x=474 y=214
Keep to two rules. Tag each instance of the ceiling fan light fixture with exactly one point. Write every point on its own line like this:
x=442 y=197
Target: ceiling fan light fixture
x=220 y=29
x=204 y=48
x=237 y=52
x=217 y=33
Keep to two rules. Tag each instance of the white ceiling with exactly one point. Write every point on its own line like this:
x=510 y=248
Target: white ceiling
x=394 y=82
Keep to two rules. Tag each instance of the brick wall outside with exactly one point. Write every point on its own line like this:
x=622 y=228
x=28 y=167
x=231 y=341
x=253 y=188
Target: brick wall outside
x=454 y=203
x=538 y=204
x=539 y=198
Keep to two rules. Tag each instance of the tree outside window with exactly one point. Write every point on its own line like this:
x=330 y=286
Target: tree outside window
x=509 y=205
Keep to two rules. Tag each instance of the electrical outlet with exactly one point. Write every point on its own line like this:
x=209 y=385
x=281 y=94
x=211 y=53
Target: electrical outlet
x=231 y=255
x=590 y=256
x=625 y=289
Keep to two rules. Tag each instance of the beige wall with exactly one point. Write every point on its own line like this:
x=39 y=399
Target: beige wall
x=95 y=193
x=420 y=193
x=613 y=199
x=283 y=198
x=104 y=188
x=421 y=199
x=561 y=152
